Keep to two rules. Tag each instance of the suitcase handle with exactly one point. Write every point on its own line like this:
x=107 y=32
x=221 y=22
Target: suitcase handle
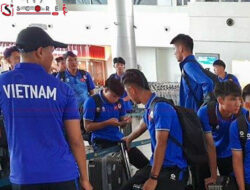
x=125 y=159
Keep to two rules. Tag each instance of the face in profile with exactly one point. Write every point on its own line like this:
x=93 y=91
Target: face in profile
x=14 y=58
x=47 y=57
x=231 y=104
x=177 y=52
x=247 y=102
x=133 y=95
x=218 y=70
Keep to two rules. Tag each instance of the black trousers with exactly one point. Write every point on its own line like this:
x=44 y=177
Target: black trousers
x=169 y=178
x=136 y=157
x=201 y=172
x=66 y=185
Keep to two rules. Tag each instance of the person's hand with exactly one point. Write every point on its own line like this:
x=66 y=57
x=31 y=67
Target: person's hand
x=209 y=181
x=127 y=119
x=150 y=184
x=127 y=141
x=113 y=121
x=86 y=185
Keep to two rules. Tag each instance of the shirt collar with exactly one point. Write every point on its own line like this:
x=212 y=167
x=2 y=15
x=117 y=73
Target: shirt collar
x=187 y=59
x=150 y=100
x=26 y=65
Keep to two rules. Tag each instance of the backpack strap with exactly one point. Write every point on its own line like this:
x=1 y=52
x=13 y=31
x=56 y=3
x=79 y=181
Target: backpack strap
x=62 y=76
x=243 y=129
x=98 y=103
x=84 y=73
x=211 y=108
x=168 y=101
x=230 y=77
x=184 y=75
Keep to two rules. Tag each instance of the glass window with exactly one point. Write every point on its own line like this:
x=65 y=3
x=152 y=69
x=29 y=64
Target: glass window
x=145 y=2
x=100 y=2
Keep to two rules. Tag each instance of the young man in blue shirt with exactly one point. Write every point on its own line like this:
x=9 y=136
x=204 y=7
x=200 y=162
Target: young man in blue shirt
x=241 y=162
x=104 y=125
x=219 y=69
x=81 y=82
x=216 y=124
x=199 y=85
x=168 y=167
x=37 y=109
x=119 y=65
x=12 y=56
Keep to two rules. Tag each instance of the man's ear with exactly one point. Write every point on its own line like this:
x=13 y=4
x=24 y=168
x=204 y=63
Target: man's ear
x=39 y=52
x=220 y=100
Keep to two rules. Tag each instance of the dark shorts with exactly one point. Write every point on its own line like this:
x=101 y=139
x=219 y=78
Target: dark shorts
x=65 y=185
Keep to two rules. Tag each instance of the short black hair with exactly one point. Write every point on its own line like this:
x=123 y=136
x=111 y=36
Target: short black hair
x=184 y=40
x=115 y=85
x=8 y=51
x=219 y=63
x=223 y=89
x=119 y=60
x=246 y=92
x=69 y=53
x=134 y=76
x=59 y=59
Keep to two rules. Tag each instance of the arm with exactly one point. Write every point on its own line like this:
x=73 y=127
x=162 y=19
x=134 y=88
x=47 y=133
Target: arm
x=212 y=159
x=237 y=156
x=136 y=133
x=238 y=168
x=90 y=84
x=93 y=126
x=76 y=143
x=160 y=149
x=91 y=92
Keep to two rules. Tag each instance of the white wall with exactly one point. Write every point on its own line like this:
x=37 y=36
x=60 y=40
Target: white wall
x=146 y=58
x=167 y=65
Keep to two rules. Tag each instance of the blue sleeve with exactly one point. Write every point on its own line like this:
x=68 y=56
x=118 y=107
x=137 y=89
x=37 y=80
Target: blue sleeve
x=71 y=110
x=89 y=109
x=234 y=137
x=203 y=115
x=236 y=81
x=123 y=109
x=195 y=73
x=164 y=116
x=90 y=82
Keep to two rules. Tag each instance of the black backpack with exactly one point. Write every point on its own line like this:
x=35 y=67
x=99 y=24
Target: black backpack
x=243 y=129
x=209 y=97
x=194 y=145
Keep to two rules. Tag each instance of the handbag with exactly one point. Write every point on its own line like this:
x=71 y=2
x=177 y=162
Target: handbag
x=224 y=183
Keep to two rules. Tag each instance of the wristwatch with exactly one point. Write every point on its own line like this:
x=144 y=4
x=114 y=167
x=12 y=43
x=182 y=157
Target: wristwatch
x=154 y=177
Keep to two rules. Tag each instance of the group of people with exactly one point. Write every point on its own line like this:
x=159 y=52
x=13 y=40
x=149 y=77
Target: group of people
x=40 y=109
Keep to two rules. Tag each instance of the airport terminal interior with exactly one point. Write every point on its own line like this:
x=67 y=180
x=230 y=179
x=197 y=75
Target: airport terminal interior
x=103 y=36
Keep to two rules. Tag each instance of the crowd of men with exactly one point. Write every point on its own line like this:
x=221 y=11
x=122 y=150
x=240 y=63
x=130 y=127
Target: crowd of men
x=41 y=108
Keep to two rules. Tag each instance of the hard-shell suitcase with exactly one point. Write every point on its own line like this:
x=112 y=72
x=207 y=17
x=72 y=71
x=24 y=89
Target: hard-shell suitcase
x=109 y=172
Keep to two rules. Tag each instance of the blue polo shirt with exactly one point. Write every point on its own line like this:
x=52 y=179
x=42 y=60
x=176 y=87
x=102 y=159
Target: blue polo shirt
x=108 y=111
x=164 y=118
x=200 y=83
x=127 y=104
x=80 y=84
x=234 y=78
x=221 y=133
x=236 y=145
x=35 y=106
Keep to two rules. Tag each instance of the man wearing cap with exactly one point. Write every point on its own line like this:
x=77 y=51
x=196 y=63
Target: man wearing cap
x=219 y=69
x=38 y=109
x=61 y=64
x=12 y=56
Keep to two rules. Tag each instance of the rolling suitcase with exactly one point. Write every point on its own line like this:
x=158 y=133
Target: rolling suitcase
x=109 y=172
